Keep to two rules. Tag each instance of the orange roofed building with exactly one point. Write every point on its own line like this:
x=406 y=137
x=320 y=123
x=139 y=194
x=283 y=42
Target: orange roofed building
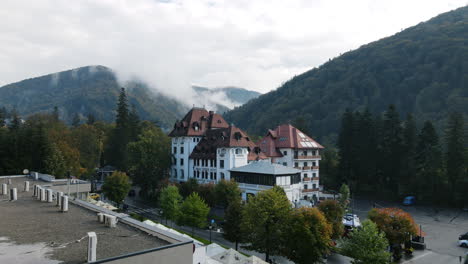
x=288 y=146
x=206 y=147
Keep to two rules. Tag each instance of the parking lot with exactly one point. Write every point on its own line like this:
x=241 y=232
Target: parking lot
x=441 y=227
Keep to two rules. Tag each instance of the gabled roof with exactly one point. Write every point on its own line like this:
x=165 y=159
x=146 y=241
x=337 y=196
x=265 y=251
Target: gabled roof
x=196 y=122
x=225 y=138
x=266 y=167
x=286 y=136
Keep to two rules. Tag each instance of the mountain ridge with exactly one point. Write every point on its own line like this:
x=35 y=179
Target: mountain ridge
x=422 y=70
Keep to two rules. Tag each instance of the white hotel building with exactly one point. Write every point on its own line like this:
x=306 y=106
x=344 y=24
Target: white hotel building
x=206 y=148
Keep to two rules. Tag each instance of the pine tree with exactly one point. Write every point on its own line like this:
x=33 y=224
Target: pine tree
x=345 y=146
x=56 y=114
x=456 y=158
x=120 y=137
x=428 y=164
x=2 y=116
x=408 y=182
x=392 y=150
x=134 y=124
x=90 y=119
x=76 y=120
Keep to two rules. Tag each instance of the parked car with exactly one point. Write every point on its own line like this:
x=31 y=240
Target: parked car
x=409 y=200
x=463 y=240
x=94 y=196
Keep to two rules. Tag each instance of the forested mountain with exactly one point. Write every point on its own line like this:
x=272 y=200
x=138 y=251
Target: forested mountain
x=421 y=70
x=87 y=90
x=94 y=90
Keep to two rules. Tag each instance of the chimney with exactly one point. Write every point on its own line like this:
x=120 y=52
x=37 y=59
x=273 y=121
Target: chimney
x=64 y=205
x=59 y=198
x=92 y=245
x=100 y=217
x=13 y=194
x=43 y=195
x=49 y=196
x=26 y=186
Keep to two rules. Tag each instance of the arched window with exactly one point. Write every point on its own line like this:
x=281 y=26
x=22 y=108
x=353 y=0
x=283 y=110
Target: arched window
x=238 y=151
x=222 y=176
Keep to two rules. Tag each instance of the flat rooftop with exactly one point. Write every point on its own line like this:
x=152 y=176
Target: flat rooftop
x=36 y=232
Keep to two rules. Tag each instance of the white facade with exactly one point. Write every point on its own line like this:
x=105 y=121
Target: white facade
x=181 y=148
x=306 y=160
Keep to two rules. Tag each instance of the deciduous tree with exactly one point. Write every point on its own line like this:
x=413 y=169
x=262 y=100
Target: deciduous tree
x=233 y=219
x=116 y=186
x=307 y=236
x=226 y=192
x=169 y=201
x=194 y=212
x=366 y=245
x=264 y=219
x=333 y=212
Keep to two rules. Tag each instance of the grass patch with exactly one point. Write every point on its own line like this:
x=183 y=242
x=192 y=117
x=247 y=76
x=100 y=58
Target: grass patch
x=138 y=217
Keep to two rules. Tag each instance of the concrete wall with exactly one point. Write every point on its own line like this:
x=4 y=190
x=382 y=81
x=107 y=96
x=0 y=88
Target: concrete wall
x=177 y=253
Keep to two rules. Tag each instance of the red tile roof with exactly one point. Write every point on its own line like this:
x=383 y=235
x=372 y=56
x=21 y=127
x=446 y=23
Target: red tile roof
x=227 y=138
x=197 y=118
x=286 y=136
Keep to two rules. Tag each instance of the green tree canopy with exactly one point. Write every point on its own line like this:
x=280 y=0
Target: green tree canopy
x=116 y=186
x=226 y=192
x=307 y=236
x=233 y=221
x=263 y=221
x=169 y=201
x=149 y=160
x=333 y=212
x=366 y=245
x=344 y=196
x=193 y=212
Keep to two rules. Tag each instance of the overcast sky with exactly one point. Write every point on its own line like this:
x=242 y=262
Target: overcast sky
x=256 y=44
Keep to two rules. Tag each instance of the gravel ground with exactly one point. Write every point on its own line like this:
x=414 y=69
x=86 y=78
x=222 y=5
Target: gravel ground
x=28 y=221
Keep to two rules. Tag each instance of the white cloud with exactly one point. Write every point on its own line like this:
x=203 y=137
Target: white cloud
x=256 y=44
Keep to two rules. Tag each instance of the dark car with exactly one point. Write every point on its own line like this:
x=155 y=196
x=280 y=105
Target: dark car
x=463 y=240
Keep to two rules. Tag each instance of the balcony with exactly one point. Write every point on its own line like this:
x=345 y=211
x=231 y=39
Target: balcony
x=302 y=157
x=310 y=190
x=310 y=179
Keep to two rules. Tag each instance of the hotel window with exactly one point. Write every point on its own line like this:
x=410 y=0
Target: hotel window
x=222 y=176
x=305 y=186
x=305 y=164
x=285 y=164
x=221 y=164
x=305 y=175
x=314 y=163
x=296 y=164
x=314 y=153
x=238 y=151
x=181 y=150
x=181 y=162
x=314 y=174
x=314 y=186
x=285 y=153
x=175 y=150
x=304 y=153
x=181 y=174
